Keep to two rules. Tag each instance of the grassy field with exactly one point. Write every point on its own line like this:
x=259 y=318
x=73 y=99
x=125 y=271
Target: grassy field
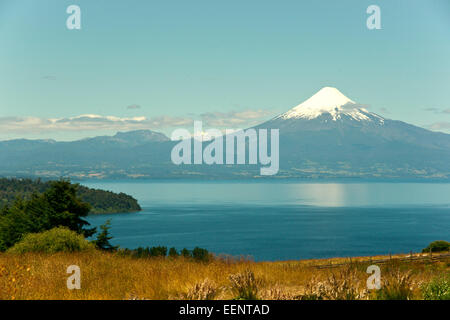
x=111 y=276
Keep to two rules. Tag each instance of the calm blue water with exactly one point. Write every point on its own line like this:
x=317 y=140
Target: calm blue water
x=282 y=221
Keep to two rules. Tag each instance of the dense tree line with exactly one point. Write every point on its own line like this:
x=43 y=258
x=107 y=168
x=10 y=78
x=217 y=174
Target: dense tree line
x=58 y=206
x=198 y=254
x=100 y=201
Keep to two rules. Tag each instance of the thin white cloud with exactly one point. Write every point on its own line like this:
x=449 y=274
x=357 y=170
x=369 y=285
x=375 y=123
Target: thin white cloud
x=49 y=77
x=384 y=110
x=134 y=106
x=438 y=110
x=87 y=122
x=94 y=122
x=443 y=125
x=234 y=119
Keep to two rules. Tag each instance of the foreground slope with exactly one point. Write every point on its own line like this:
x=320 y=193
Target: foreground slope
x=111 y=276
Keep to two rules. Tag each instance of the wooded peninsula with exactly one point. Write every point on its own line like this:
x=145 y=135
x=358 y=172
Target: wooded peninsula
x=101 y=202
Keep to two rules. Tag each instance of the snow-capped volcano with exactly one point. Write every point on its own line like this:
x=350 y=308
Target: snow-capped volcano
x=328 y=136
x=333 y=104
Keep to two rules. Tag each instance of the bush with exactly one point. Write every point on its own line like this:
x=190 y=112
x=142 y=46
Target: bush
x=146 y=252
x=185 y=253
x=437 y=246
x=58 y=239
x=173 y=252
x=396 y=286
x=200 y=254
x=245 y=285
x=205 y=290
x=158 y=251
x=342 y=284
x=437 y=289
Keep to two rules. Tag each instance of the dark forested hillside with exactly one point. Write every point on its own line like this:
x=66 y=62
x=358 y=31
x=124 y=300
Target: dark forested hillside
x=101 y=201
x=107 y=201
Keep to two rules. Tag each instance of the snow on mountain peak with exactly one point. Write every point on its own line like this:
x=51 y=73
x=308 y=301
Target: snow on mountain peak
x=326 y=98
x=331 y=101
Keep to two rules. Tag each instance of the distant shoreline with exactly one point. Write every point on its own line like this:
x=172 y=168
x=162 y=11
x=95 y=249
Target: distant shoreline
x=258 y=180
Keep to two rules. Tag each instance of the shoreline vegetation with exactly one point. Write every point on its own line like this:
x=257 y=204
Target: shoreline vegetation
x=44 y=234
x=112 y=275
x=100 y=201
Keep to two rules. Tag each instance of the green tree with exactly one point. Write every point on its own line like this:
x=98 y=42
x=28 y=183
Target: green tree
x=58 y=206
x=68 y=209
x=173 y=252
x=158 y=251
x=186 y=253
x=437 y=246
x=102 y=241
x=200 y=254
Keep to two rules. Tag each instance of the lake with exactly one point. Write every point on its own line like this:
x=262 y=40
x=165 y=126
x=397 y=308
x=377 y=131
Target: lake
x=273 y=220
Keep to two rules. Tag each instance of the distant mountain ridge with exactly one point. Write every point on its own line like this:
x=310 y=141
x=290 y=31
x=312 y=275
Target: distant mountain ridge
x=131 y=138
x=329 y=136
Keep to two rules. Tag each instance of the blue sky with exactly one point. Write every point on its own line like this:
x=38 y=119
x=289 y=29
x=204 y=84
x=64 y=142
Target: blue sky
x=228 y=62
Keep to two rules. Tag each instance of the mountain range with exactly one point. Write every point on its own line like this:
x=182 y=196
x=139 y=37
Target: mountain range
x=329 y=136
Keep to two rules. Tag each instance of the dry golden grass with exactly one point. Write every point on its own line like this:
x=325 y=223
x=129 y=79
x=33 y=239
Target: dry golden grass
x=110 y=276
